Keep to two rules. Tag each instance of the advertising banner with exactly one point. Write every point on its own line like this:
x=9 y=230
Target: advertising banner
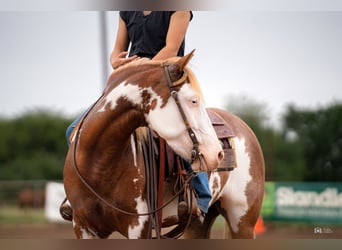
x=316 y=202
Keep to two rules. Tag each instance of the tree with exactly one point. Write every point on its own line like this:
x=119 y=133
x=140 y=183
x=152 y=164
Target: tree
x=33 y=146
x=320 y=134
x=283 y=157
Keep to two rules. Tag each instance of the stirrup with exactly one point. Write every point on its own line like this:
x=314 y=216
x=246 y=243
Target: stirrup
x=184 y=212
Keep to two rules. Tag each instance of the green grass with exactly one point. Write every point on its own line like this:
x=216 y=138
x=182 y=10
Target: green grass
x=15 y=215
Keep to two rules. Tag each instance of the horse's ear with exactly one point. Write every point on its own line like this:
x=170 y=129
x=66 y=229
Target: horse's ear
x=176 y=68
x=183 y=61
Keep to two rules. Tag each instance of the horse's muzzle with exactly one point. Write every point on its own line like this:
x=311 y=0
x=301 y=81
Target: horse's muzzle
x=204 y=164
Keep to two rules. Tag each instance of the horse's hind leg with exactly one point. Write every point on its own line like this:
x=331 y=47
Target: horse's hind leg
x=244 y=230
x=240 y=220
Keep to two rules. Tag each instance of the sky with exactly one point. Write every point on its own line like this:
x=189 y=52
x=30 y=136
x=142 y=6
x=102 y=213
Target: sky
x=53 y=59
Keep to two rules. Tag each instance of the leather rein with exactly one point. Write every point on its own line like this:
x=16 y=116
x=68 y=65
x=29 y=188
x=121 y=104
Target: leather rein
x=194 y=152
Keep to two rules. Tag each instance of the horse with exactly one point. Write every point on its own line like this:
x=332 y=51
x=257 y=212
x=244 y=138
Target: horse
x=104 y=173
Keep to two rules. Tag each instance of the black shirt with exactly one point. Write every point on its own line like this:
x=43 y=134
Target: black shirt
x=147 y=33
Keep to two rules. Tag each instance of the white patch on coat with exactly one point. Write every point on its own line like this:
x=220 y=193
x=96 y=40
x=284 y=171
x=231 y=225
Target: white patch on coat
x=158 y=117
x=234 y=192
x=128 y=91
x=215 y=186
x=134 y=151
x=134 y=232
x=135 y=184
x=85 y=232
x=168 y=123
x=87 y=235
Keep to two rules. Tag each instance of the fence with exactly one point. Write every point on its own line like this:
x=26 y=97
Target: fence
x=33 y=194
x=22 y=193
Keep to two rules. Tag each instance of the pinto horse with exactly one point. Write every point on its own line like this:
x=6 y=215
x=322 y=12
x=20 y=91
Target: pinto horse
x=104 y=172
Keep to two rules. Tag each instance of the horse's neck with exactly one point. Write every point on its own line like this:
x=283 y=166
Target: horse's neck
x=107 y=134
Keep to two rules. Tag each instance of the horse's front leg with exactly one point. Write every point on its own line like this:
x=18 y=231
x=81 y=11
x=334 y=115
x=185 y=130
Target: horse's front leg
x=82 y=231
x=87 y=224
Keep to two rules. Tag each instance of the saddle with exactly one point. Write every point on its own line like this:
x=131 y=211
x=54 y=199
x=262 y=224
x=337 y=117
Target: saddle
x=225 y=134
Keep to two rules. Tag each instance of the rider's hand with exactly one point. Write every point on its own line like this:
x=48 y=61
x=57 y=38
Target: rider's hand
x=121 y=59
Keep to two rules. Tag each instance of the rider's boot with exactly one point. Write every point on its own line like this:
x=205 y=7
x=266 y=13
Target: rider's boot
x=185 y=210
x=65 y=210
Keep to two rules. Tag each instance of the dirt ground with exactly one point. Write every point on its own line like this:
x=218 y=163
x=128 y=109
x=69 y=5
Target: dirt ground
x=272 y=231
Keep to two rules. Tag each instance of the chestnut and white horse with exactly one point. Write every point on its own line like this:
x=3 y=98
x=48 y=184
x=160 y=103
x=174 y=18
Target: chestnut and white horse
x=104 y=167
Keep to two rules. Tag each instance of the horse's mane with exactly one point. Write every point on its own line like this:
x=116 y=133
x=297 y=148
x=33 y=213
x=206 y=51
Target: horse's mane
x=194 y=83
x=144 y=63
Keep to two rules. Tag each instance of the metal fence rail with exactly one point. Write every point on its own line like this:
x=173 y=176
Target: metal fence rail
x=22 y=193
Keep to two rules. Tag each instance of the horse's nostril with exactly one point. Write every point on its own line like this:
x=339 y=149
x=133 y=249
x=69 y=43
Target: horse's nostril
x=221 y=155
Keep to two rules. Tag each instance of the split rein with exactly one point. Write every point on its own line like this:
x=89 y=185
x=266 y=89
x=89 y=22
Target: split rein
x=194 y=152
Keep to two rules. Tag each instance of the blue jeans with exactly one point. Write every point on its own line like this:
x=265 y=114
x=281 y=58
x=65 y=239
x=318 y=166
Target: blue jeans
x=73 y=125
x=201 y=185
x=200 y=181
x=71 y=128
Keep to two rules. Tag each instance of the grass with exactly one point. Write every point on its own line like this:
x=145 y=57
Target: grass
x=15 y=215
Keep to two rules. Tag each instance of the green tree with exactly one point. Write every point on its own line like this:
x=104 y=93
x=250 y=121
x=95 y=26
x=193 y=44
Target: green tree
x=33 y=146
x=320 y=134
x=283 y=156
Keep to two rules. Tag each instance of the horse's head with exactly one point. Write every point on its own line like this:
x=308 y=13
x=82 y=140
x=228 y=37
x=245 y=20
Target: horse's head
x=178 y=115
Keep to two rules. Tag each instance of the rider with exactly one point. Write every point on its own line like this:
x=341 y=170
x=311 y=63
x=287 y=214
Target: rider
x=157 y=35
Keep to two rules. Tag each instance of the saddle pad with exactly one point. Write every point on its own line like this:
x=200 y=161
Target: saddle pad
x=222 y=128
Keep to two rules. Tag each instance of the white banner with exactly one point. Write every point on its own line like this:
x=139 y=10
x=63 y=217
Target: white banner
x=54 y=195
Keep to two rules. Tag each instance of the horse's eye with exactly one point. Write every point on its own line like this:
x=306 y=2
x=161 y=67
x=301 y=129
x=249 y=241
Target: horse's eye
x=194 y=101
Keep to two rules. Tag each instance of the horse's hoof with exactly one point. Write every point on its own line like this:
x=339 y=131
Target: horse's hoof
x=66 y=212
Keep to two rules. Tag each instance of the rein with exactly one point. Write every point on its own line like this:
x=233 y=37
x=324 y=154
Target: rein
x=195 y=153
x=108 y=203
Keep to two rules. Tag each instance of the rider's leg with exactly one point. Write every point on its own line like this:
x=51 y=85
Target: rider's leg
x=201 y=185
x=72 y=127
x=65 y=209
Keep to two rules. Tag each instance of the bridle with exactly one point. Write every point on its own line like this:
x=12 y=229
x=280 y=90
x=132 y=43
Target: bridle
x=195 y=153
